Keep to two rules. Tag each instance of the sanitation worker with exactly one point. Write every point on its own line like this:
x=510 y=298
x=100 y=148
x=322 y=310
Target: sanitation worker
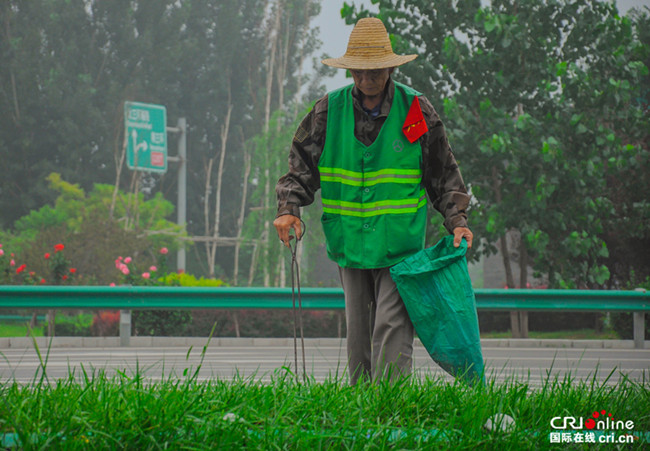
x=376 y=149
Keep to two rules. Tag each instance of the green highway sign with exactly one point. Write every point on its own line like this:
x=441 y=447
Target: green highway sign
x=145 y=125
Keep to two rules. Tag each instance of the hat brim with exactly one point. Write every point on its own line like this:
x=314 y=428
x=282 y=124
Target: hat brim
x=364 y=63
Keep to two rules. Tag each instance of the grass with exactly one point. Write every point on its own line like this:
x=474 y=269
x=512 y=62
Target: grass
x=90 y=410
x=18 y=330
x=581 y=334
x=125 y=411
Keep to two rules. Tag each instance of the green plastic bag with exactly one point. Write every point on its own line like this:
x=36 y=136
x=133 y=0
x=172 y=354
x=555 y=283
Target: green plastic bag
x=438 y=293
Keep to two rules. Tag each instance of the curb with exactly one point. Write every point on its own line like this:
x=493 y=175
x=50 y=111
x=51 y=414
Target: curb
x=159 y=342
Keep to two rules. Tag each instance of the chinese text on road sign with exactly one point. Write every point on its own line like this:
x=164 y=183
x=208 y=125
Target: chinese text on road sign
x=145 y=126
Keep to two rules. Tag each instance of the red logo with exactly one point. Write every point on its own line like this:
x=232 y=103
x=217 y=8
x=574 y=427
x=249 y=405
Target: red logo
x=590 y=423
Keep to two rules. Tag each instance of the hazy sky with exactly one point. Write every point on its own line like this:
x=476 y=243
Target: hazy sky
x=335 y=34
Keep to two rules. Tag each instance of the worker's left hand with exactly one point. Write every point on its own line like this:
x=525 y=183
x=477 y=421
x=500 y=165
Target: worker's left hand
x=463 y=232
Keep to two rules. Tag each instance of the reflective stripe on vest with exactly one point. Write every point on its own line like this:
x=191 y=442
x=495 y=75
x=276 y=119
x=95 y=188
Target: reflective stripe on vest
x=367 y=209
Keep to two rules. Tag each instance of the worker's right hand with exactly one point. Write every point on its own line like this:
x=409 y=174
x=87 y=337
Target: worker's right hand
x=283 y=224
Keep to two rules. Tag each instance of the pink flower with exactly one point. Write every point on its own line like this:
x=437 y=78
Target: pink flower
x=146 y=275
x=125 y=270
x=127 y=260
x=164 y=250
x=112 y=284
x=12 y=262
x=2 y=252
x=153 y=268
x=21 y=268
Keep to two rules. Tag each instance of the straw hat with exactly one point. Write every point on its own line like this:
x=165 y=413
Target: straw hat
x=369 y=48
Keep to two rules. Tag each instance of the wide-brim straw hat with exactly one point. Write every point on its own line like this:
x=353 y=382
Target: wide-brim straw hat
x=369 y=48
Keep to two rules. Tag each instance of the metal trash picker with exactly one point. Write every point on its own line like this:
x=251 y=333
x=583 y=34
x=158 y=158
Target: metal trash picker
x=297 y=313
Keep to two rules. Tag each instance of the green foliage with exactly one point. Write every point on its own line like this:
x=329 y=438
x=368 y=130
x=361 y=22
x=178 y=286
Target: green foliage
x=160 y=323
x=72 y=325
x=130 y=411
x=546 y=107
x=188 y=280
x=53 y=268
x=271 y=150
x=152 y=322
x=68 y=66
x=82 y=221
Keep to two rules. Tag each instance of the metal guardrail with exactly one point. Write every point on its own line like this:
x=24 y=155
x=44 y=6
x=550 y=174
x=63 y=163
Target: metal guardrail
x=128 y=298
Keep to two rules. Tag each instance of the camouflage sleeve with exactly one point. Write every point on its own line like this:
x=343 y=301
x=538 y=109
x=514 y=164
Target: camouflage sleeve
x=296 y=188
x=441 y=175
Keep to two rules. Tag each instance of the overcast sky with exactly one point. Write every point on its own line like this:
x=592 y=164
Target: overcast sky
x=335 y=34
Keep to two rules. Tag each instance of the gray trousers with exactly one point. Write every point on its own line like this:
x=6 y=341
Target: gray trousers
x=379 y=330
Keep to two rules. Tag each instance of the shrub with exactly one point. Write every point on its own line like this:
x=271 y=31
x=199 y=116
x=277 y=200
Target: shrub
x=72 y=326
x=161 y=322
x=106 y=323
x=622 y=323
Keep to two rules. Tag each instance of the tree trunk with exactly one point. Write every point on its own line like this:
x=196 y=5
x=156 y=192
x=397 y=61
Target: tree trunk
x=206 y=210
x=119 y=163
x=225 y=130
x=32 y=324
x=132 y=201
x=235 y=320
x=240 y=219
x=301 y=59
x=51 y=323
x=515 y=326
x=523 y=283
x=251 y=272
x=14 y=90
x=275 y=31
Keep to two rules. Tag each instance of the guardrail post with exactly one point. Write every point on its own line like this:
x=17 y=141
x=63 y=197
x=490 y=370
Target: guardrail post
x=125 y=327
x=638 y=326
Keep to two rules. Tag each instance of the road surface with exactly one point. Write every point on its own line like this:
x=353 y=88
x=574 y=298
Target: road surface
x=325 y=358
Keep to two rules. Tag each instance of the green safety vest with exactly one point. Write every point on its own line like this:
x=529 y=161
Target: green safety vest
x=374 y=206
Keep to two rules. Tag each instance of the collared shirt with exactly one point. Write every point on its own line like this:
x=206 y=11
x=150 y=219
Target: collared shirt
x=441 y=176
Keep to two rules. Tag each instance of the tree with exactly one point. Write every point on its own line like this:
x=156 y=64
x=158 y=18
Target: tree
x=288 y=30
x=69 y=65
x=93 y=241
x=540 y=102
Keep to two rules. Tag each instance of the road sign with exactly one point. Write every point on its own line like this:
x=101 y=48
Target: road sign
x=145 y=125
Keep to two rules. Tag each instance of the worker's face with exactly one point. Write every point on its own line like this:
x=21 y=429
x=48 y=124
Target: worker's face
x=371 y=82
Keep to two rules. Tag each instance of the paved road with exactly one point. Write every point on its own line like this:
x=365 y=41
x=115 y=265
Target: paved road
x=325 y=359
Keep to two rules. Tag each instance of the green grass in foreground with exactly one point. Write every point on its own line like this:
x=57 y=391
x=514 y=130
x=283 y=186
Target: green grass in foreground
x=94 y=411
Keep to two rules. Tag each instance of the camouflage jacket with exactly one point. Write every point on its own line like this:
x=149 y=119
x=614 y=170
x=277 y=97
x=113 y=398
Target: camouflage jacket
x=441 y=176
